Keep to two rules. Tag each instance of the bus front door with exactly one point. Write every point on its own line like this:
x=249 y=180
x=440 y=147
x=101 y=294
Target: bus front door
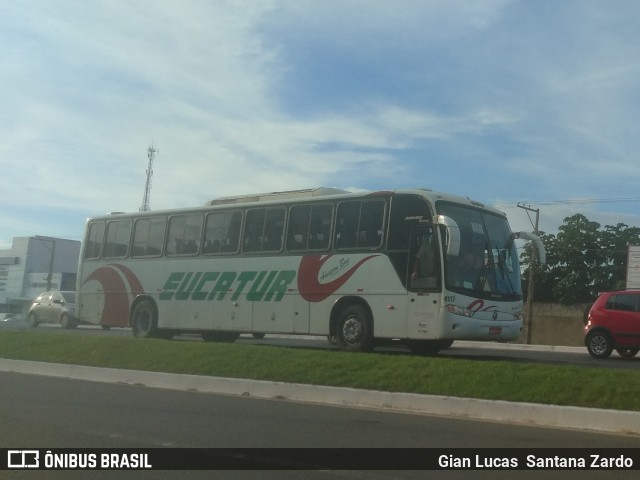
x=424 y=284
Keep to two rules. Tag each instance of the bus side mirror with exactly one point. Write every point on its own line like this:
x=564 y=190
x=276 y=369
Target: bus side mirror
x=542 y=253
x=453 y=234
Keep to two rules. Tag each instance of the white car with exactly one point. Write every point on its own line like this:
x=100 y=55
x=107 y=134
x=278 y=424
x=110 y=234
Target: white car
x=54 y=307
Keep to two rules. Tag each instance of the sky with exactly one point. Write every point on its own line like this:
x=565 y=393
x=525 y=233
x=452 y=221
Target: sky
x=505 y=101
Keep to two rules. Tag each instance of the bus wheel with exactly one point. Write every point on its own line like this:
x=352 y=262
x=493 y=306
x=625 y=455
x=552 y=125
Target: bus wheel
x=220 y=336
x=67 y=322
x=354 y=332
x=258 y=335
x=144 y=322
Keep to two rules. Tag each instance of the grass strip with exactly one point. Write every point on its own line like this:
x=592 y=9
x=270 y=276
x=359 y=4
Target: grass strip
x=493 y=380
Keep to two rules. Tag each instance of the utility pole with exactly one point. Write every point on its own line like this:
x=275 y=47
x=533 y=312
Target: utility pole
x=151 y=152
x=532 y=269
x=52 y=251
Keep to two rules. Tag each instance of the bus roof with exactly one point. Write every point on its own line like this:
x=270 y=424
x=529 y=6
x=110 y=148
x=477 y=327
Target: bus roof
x=291 y=196
x=284 y=195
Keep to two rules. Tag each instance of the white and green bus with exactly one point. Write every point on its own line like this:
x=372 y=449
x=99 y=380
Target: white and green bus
x=411 y=266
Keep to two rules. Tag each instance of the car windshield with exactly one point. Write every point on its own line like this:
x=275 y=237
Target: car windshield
x=487 y=263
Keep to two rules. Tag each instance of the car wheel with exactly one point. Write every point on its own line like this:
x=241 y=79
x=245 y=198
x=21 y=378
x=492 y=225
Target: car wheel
x=627 y=352
x=144 y=321
x=33 y=320
x=354 y=332
x=599 y=345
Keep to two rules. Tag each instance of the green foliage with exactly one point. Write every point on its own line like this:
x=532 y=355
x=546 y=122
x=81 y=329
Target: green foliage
x=582 y=260
x=493 y=380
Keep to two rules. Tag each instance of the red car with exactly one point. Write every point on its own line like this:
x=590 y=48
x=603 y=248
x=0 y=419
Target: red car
x=614 y=323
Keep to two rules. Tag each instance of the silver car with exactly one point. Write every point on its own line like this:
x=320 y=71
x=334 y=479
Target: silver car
x=54 y=307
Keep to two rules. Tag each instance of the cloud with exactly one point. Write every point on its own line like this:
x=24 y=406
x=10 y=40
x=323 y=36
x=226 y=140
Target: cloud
x=495 y=100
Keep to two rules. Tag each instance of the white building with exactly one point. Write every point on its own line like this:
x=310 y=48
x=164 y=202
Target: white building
x=34 y=265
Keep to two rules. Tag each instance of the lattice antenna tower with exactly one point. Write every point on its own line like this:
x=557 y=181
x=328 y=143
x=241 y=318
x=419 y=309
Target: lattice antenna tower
x=151 y=153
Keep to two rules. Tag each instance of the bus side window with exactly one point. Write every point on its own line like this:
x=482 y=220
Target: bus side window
x=273 y=230
x=184 y=234
x=320 y=227
x=148 y=237
x=309 y=227
x=298 y=228
x=222 y=232
x=360 y=224
x=264 y=230
x=253 y=230
x=118 y=236
x=371 y=224
x=94 y=240
x=231 y=242
x=406 y=210
x=347 y=224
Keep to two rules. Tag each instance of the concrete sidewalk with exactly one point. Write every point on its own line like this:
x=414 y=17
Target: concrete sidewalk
x=606 y=421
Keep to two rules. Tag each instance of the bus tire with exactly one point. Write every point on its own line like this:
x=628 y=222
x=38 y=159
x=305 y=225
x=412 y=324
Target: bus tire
x=67 y=322
x=354 y=332
x=144 y=320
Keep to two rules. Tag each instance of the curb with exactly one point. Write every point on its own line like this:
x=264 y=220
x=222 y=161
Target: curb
x=581 y=418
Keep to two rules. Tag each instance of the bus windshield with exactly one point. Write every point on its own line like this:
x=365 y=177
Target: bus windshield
x=487 y=264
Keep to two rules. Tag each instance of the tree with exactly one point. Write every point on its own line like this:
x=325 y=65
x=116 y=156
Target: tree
x=582 y=260
x=615 y=240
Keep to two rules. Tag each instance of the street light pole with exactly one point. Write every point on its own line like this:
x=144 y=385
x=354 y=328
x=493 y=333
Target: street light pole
x=532 y=269
x=51 y=258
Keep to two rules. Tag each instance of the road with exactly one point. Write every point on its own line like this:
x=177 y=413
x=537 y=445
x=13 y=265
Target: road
x=44 y=412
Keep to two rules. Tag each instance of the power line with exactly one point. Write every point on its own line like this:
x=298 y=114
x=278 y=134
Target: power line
x=575 y=201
